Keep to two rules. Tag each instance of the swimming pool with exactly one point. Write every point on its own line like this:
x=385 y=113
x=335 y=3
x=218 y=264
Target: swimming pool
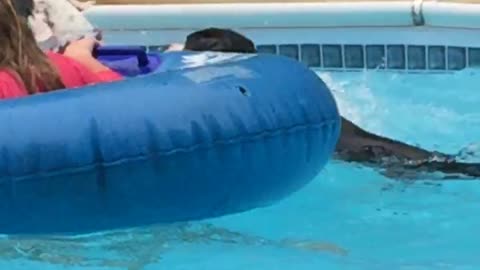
x=349 y=218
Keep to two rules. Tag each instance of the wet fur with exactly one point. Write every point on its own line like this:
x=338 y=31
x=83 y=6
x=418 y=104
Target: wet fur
x=396 y=159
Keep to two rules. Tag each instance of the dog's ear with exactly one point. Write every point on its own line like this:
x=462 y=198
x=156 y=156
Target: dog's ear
x=24 y=8
x=81 y=6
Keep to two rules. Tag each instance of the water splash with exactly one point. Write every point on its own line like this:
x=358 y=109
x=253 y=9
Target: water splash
x=435 y=111
x=357 y=106
x=470 y=153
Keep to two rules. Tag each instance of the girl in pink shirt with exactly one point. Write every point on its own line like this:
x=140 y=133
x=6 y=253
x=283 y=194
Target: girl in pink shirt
x=26 y=70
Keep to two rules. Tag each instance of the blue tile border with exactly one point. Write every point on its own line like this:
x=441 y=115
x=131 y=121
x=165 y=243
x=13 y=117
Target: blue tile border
x=311 y=55
x=406 y=57
x=417 y=57
x=457 y=58
x=396 y=57
x=290 y=50
x=375 y=56
x=354 y=56
x=474 y=57
x=272 y=49
x=437 y=58
x=332 y=56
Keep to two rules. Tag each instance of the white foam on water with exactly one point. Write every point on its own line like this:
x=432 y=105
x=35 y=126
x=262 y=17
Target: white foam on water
x=436 y=111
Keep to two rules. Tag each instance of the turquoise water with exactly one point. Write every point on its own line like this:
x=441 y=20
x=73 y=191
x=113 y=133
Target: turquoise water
x=348 y=218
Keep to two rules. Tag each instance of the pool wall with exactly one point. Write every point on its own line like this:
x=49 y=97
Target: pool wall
x=420 y=36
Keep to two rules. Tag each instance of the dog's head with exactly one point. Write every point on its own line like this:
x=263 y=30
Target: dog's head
x=55 y=23
x=81 y=6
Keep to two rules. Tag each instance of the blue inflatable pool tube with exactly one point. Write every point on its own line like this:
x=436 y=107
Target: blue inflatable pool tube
x=198 y=135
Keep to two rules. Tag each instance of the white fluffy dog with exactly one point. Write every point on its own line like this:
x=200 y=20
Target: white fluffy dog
x=57 y=22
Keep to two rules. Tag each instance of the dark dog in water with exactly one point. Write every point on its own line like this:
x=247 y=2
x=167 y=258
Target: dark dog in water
x=393 y=158
x=397 y=159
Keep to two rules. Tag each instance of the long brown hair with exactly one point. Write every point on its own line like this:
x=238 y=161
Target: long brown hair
x=20 y=55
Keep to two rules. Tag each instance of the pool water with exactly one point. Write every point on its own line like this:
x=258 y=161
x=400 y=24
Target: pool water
x=348 y=218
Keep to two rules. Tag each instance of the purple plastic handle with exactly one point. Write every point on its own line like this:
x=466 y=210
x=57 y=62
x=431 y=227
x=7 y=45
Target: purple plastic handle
x=139 y=51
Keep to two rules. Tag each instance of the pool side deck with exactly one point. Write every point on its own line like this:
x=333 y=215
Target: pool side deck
x=135 y=2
